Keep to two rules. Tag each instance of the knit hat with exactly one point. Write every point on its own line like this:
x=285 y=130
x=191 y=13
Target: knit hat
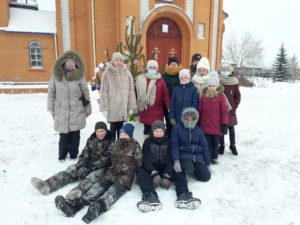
x=196 y=57
x=100 y=125
x=184 y=73
x=226 y=66
x=127 y=128
x=172 y=59
x=158 y=124
x=203 y=63
x=152 y=63
x=213 y=79
x=117 y=55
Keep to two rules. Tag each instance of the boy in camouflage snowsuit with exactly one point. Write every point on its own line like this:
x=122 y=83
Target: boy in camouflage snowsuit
x=91 y=166
x=126 y=159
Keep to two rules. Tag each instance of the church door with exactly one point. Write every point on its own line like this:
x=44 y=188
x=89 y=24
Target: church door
x=163 y=41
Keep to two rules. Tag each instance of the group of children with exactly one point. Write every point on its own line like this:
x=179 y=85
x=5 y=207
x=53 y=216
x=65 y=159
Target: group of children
x=198 y=112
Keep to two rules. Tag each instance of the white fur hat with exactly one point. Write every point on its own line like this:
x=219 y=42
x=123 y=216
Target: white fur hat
x=213 y=79
x=117 y=55
x=226 y=66
x=152 y=63
x=203 y=63
x=184 y=73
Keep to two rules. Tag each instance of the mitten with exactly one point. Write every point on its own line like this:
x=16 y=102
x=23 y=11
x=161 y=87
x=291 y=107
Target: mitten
x=177 y=166
x=173 y=122
x=224 y=128
x=156 y=178
x=165 y=181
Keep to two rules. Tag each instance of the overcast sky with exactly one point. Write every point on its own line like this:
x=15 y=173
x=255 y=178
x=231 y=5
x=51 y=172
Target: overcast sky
x=272 y=21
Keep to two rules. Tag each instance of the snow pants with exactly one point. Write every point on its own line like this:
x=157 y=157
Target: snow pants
x=69 y=143
x=231 y=137
x=213 y=145
x=115 y=129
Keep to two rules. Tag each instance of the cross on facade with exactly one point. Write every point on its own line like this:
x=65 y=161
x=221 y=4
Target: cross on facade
x=173 y=51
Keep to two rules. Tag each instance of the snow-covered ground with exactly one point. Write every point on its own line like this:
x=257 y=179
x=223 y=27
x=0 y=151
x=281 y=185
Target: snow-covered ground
x=259 y=186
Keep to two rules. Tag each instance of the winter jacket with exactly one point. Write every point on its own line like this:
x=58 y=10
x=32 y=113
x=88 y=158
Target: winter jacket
x=213 y=112
x=233 y=95
x=171 y=81
x=189 y=143
x=95 y=154
x=64 y=94
x=162 y=100
x=117 y=94
x=184 y=95
x=126 y=159
x=157 y=155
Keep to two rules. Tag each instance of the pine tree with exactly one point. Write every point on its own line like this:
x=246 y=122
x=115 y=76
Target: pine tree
x=281 y=65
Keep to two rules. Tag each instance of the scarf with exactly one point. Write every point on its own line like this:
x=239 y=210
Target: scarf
x=172 y=71
x=228 y=80
x=146 y=96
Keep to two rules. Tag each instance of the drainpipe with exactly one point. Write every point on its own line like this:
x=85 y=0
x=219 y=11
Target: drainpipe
x=214 y=49
x=93 y=36
x=55 y=46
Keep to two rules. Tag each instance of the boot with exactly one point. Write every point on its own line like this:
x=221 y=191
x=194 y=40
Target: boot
x=42 y=186
x=150 y=202
x=221 y=149
x=214 y=161
x=95 y=209
x=74 y=194
x=186 y=201
x=233 y=149
x=69 y=207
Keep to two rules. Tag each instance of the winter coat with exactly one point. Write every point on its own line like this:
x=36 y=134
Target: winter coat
x=117 y=94
x=232 y=92
x=95 y=154
x=213 y=112
x=157 y=155
x=171 y=81
x=184 y=95
x=189 y=143
x=126 y=159
x=162 y=101
x=64 y=93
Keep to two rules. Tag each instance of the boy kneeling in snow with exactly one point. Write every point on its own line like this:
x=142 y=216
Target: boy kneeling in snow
x=190 y=155
x=126 y=159
x=156 y=167
x=91 y=166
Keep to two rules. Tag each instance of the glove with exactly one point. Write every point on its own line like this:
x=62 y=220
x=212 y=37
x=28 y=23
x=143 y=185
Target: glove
x=173 y=122
x=82 y=173
x=177 y=166
x=224 y=128
x=105 y=113
x=165 y=181
x=156 y=178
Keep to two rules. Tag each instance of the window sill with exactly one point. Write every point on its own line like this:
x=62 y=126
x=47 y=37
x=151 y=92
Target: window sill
x=37 y=69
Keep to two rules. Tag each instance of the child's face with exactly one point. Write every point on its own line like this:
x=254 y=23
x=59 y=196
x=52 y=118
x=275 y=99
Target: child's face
x=184 y=79
x=173 y=64
x=101 y=133
x=188 y=118
x=118 y=63
x=202 y=71
x=70 y=64
x=211 y=87
x=158 y=133
x=123 y=136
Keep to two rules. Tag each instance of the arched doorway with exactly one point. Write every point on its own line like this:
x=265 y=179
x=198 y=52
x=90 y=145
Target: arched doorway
x=163 y=39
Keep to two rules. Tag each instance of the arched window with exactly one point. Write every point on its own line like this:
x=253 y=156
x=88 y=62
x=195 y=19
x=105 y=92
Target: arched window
x=35 y=54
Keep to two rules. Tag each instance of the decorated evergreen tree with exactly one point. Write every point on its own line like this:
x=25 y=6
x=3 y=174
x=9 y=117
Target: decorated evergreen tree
x=281 y=65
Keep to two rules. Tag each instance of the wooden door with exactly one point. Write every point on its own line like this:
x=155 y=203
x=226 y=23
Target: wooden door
x=164 y=40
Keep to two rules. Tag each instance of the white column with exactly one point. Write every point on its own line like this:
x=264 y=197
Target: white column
x=213 y=61
x=65 y=23
x=144 y=10
x=189 y=9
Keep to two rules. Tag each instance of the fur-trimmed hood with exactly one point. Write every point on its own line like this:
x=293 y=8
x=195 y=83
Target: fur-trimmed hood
x=76 y=74
x=219 y=90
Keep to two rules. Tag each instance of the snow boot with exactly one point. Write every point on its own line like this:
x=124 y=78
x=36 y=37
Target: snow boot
x=42 y=186
x=214 y=161
x=95 y=209
x=186 y=201
x=233 y=149
x=73 y=194
x=69 y=207
x=221 y=149
x=150 y=202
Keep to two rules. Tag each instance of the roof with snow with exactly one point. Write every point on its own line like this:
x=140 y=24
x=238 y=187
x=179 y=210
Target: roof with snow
x=31 y=21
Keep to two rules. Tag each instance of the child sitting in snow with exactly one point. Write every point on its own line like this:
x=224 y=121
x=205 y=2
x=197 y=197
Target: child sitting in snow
x=126 y=159
x=190 y=156
x=156 y=167
x=213 y=114
x=91 y=165
x=184 y=95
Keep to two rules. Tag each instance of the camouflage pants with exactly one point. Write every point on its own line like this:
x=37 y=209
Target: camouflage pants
x=70 y=175
x=106 y=191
